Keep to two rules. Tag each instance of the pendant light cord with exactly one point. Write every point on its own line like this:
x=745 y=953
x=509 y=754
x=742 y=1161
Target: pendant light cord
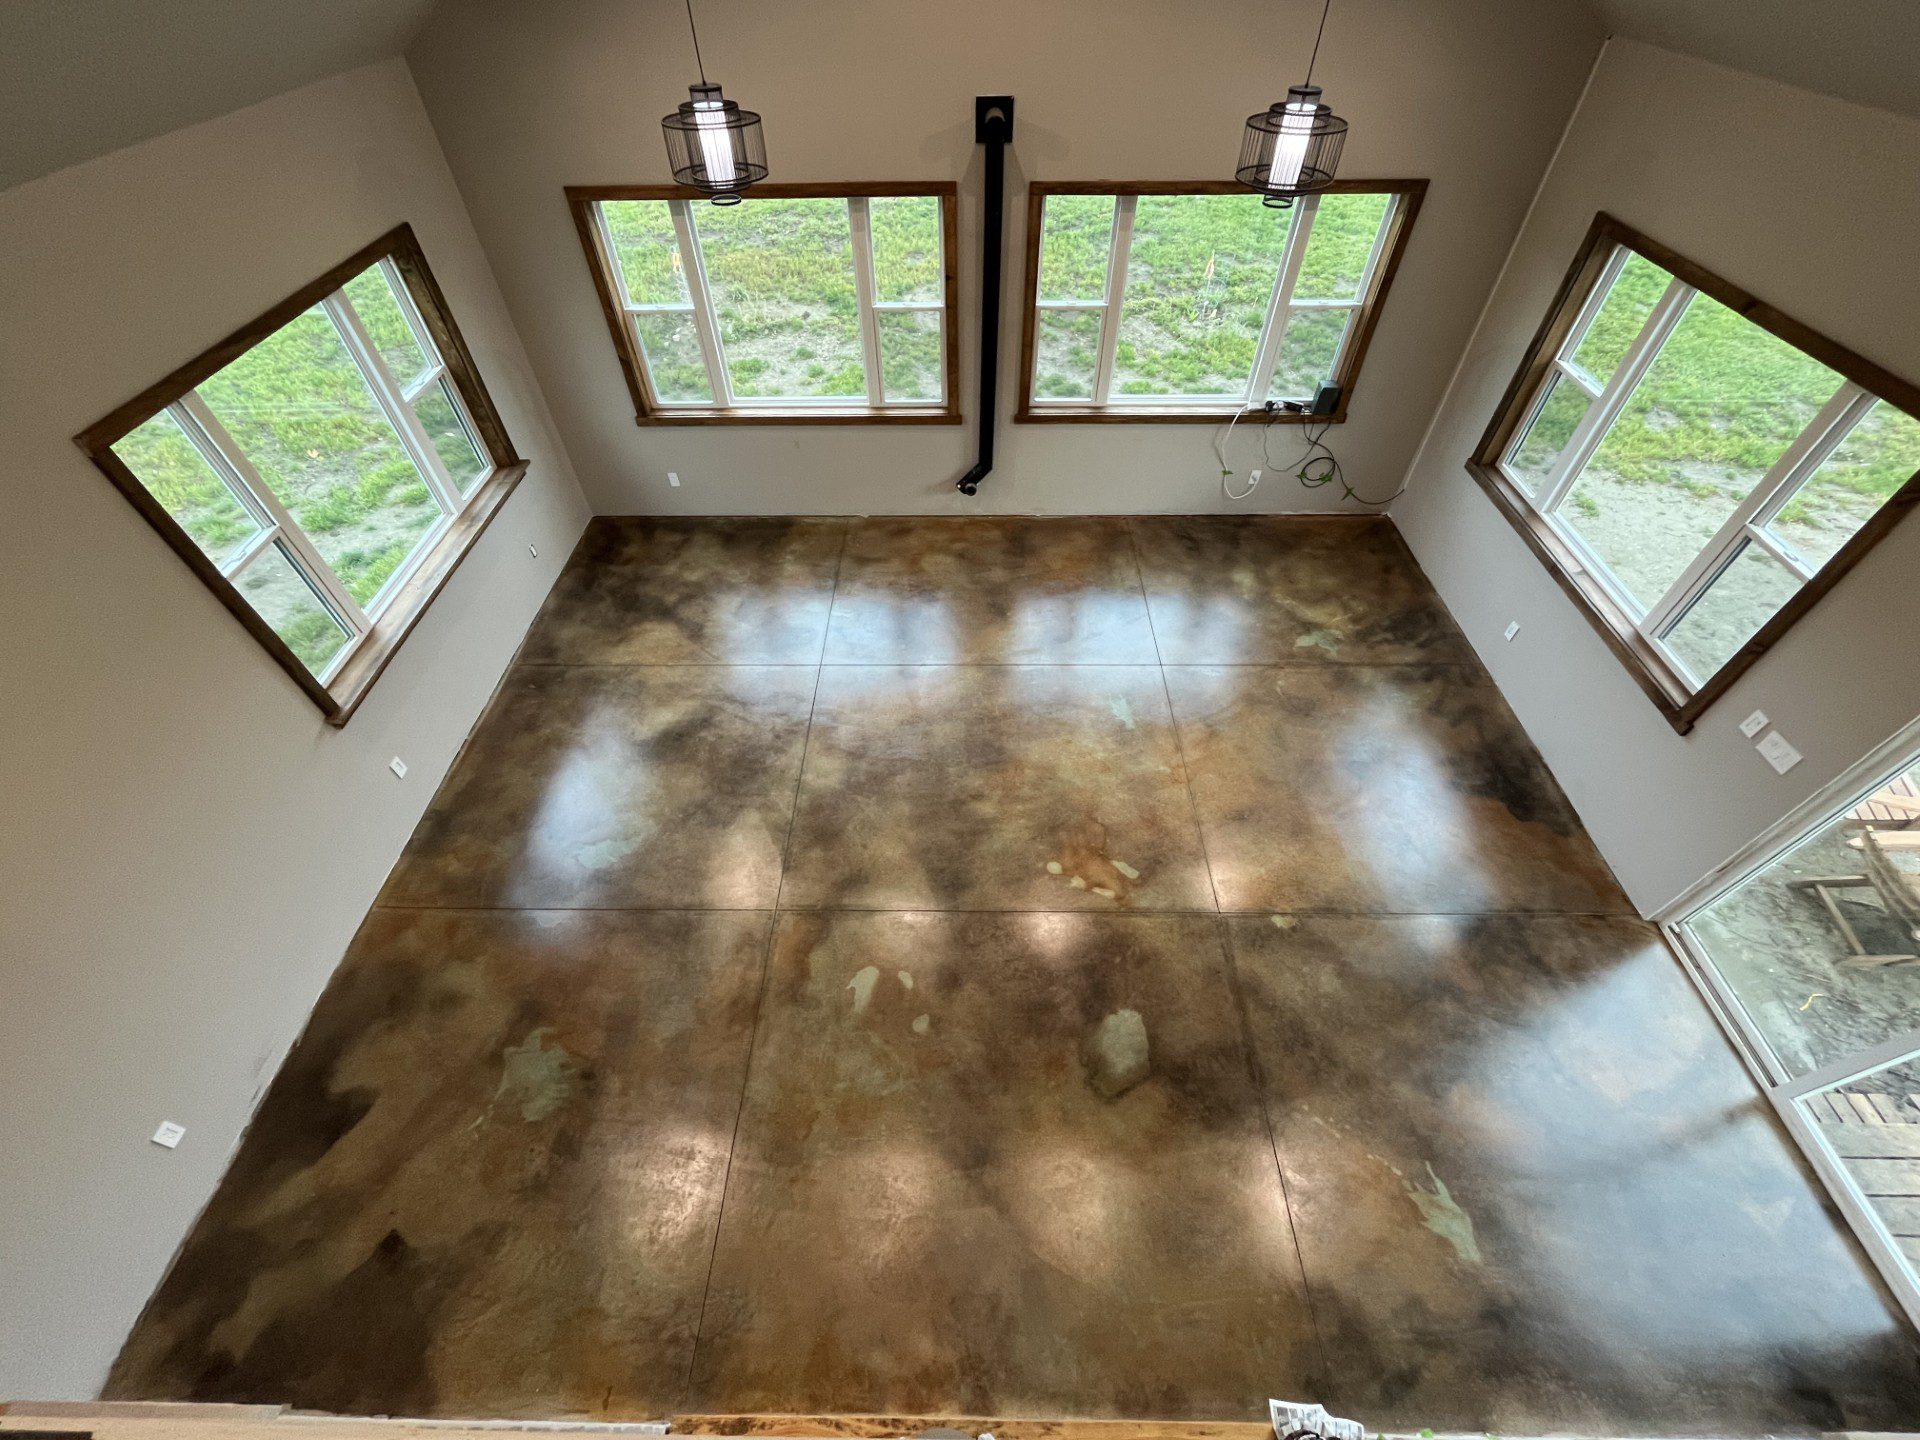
x=701 y=65
x=1310 y=59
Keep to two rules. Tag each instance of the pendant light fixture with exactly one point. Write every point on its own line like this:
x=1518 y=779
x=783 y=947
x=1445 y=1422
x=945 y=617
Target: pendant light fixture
x=712 y=144
x=1293 y=147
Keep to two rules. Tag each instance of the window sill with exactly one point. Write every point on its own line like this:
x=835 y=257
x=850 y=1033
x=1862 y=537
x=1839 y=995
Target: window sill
x=808 y=415
x=1650 y=670
x=342 y=695
x=1165 y=415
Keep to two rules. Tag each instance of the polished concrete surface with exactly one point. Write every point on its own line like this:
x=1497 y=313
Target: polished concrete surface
x=1079 y=968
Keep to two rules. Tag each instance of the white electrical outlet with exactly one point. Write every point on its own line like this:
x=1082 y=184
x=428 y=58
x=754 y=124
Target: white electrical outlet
x=1513 y=629
x=1754 y=724
x=398 y=767
x=1779 y=754
x=673 y=479
x=169 y=1135
x=1253 y=477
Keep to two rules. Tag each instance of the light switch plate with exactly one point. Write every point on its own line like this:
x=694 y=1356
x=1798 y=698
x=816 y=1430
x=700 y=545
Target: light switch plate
x=1782 y=756
x=673 y=478
x=1513 y=629
x=398 y=767
x=1754 y=724
x=169 y=1135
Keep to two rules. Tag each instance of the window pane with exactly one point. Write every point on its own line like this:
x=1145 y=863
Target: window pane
x=671 y=344
x=1075 y=245
x=181 y=479
x=284 y=599
x=647 y=251
x=1719 y=405
x=1308 y=352
x=1199 y=280
x=1563 y=406
x=1615 y=325
x=906 y=248
x=910 y=354
x=1737 y=603
x=1066 y=354
x=1779 y=950
x=371 y=294
x=781 y=275
x=1338 y=246
x=1869 y=1125
x=300 y=411
x=1873 y=460
x=440 y=417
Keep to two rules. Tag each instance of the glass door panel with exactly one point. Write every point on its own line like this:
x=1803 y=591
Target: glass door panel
x=1818 y=948
x=1812 y=961
x=1865 y=1140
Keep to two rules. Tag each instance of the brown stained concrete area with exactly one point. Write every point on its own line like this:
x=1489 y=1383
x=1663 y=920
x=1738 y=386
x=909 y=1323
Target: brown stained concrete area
x=1076 y=968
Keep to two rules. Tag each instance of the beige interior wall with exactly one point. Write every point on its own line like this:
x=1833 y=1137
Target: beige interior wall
x=188 y=847
x=1813 y=205
x=528 y=98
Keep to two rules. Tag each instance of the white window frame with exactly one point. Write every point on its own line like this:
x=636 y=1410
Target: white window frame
x=278 y=528
x=700 y=306
x=1280 y=307
x=1751 y=520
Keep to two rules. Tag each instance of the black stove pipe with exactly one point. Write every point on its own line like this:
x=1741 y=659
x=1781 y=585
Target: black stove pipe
x=993 y=128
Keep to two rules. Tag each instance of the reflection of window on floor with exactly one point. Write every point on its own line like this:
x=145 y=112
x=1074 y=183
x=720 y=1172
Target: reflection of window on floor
x=835 y=302
x=1701 y=468
x=316 y=468
x=1822 y=947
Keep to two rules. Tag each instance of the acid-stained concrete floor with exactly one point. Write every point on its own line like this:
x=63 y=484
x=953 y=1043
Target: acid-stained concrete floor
x=1055 y=967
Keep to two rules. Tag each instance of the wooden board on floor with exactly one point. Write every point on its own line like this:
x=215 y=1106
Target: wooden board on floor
x=131 y=1421
x=123 y=1420
x=880 y=1427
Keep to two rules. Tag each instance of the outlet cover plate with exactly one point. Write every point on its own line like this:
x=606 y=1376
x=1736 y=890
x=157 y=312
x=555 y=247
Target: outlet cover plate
x=1779 y=754
x=1754 y=724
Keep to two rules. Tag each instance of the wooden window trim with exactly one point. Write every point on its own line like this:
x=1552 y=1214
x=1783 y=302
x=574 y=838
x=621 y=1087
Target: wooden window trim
x=340 y=696
x=1650 y=670
x=1393 y=251
x=648 y=411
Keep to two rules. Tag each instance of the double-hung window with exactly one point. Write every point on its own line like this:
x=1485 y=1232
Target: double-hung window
x=1197 y=302
x=324 y=468
x=799 y=303
x=1695 y=467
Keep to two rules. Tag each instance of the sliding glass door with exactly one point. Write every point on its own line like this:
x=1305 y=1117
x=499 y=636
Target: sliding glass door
x=1809 y=949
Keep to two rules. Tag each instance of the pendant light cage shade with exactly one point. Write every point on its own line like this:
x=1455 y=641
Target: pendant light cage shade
x=715 y=146
x=1292 y=148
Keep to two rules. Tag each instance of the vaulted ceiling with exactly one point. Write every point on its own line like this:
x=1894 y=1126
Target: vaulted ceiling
x=79 y=78
x=1862 y=50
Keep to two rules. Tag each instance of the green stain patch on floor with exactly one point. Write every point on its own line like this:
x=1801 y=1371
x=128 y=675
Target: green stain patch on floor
x=1117 y=1054
x=1441 y=1214
x=1123 y=712
x=602 y=853
x=1319 y=639
x=536 y=1077
x=864 y=979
